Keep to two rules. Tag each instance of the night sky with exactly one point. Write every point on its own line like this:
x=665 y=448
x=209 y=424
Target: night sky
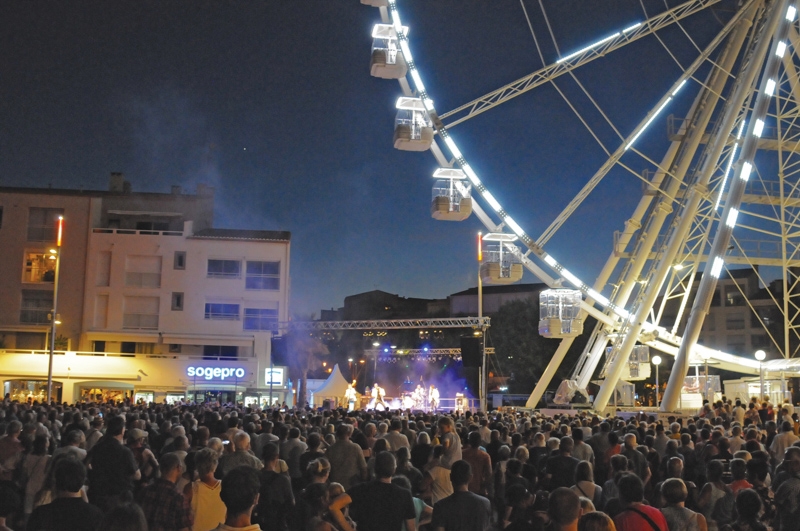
x=271 y=102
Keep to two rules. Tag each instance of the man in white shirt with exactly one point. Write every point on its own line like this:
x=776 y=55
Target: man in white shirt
x=737 y=443
x=782 y=441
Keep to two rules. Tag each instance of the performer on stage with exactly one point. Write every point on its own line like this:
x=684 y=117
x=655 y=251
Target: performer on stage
x=419 y=397
x=350 y=396
x=433 y=398
x=377 y=395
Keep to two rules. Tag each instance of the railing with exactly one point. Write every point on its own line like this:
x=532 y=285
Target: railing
x=216 y=316
x=138 y=232
x=140 y=321
x=171 y=356
x=34 y=316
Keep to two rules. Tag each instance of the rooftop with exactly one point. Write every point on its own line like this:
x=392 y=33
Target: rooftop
x=510 y=288
x=242 y=234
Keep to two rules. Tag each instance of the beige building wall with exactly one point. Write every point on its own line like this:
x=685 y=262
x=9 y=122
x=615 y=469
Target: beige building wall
x=17 y=272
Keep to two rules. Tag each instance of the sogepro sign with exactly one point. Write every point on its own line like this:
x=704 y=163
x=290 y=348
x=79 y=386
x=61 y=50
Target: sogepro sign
x=210 y=373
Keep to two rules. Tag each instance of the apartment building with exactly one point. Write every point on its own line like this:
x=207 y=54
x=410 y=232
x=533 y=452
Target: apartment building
x=154 y=302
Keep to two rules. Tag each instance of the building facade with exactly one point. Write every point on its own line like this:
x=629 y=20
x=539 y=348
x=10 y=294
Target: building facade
x=154 y=303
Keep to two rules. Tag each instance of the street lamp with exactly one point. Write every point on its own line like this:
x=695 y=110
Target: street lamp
x=761 y=356
x=53 y=321
x=656 y=361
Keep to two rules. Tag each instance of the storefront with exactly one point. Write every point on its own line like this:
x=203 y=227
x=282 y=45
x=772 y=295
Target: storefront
x=96 y=377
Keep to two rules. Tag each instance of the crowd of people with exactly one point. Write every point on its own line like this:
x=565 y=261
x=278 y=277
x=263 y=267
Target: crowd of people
x=204 y=467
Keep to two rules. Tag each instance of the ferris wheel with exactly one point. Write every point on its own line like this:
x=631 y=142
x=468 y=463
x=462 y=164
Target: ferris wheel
x=724 y=194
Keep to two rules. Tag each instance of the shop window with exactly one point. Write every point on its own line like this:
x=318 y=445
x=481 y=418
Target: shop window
x=99 y=346
x=143 y=271
x=260 y=319
x=179 y=262
x=734 y=321
x=220 y=351
x=222 y=312
x=36 y=307
x=175 y=348
x=40 y=266
x=177 y=301
x=263 y=275
x=224 y=269
x=42 y=224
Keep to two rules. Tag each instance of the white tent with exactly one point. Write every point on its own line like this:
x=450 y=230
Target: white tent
x=333 y=389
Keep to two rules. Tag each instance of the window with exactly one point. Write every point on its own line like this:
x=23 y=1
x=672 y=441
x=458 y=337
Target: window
x=177 y=301
x=220 y=351
x=224 y=269
x=99 y=346
x=39 y=267
x=734 y=321
x=260 y=319
x=143 y=271
x=761 y=318
x=760 y=341
x=709 y=323
x=180 y=260
x=222 y=312
x=128 y=347
x=36 y=307
x=736 y=343
x=42 y=224
x=140 y=313
x=733 y=297
x=263 y=275
x=152 y=226
x=175 y=348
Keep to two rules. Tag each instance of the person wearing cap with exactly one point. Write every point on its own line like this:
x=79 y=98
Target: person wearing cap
x=148 y=464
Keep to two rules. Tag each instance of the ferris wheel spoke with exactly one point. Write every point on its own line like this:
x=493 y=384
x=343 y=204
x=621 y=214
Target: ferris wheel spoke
x=574 y=60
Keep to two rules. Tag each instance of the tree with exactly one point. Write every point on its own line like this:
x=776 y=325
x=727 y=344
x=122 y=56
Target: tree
x=521 y=352
x=305 y=352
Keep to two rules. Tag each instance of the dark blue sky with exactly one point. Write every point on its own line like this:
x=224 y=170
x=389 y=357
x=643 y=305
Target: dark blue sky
x=272 y=103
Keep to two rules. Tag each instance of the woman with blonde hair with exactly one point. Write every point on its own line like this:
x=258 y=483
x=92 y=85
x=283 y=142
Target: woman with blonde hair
x=203 y=494
x=596 y=521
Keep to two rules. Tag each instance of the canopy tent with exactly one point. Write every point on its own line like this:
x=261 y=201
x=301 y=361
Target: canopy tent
x=333 y=389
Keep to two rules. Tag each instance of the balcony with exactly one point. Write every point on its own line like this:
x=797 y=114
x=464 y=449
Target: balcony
x=139 y=232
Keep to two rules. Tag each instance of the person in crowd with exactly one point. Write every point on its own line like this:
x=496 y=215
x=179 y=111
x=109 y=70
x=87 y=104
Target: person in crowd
x=348 y=465
x=450 y=441
x=378 y=505
x=291 y=450
x=95 y=432
x=240 y=492
x=276 y=500
x=635 y=515
x=675 y=493
x=787 y=495
x=480 y=463
x=782 y=441
x=560 y=468
x=596 y=521
x=739 y=474
x=74 y=442
x=436 y=478
x=241 y=456
x=406 y=469
x=34 y=468
x=462 y=510
x=68 y=511
x=314 y=451
x=564 y=509
x=637 y=461
x=164 y=507
x=748 y=510
x=715 y=497
x=581 y=451
x=10 y=451
x=585 y=485
x=203 y=494
x=144 y=456
x=114 y=468
x=126 y=516
x=395 y=438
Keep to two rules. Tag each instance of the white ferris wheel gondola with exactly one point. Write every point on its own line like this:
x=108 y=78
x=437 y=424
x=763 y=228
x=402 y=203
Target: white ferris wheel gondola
x=413 y=129
x=387 y=60
x=499 y=265
x=452 y=199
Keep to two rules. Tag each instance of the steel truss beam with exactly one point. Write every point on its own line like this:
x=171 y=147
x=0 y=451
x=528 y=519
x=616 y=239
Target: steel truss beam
x=386 y=324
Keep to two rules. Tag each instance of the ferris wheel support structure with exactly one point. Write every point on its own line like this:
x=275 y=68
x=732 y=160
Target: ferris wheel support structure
x=777 y=28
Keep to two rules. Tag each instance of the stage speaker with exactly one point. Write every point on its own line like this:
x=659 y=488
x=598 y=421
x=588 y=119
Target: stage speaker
x=278 y=351
x=471 y=351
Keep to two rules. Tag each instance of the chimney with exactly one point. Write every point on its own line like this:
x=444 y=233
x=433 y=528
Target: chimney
x=126 y=187
x=116 y=182
x=176 y=190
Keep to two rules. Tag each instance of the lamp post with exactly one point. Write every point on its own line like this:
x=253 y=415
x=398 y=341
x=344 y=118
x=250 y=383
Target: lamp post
x=760 y=356
x=483 y=383
x=656 y=361
x=59 y=233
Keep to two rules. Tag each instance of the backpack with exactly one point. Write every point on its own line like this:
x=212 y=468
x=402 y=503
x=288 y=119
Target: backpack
x=724 y=511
